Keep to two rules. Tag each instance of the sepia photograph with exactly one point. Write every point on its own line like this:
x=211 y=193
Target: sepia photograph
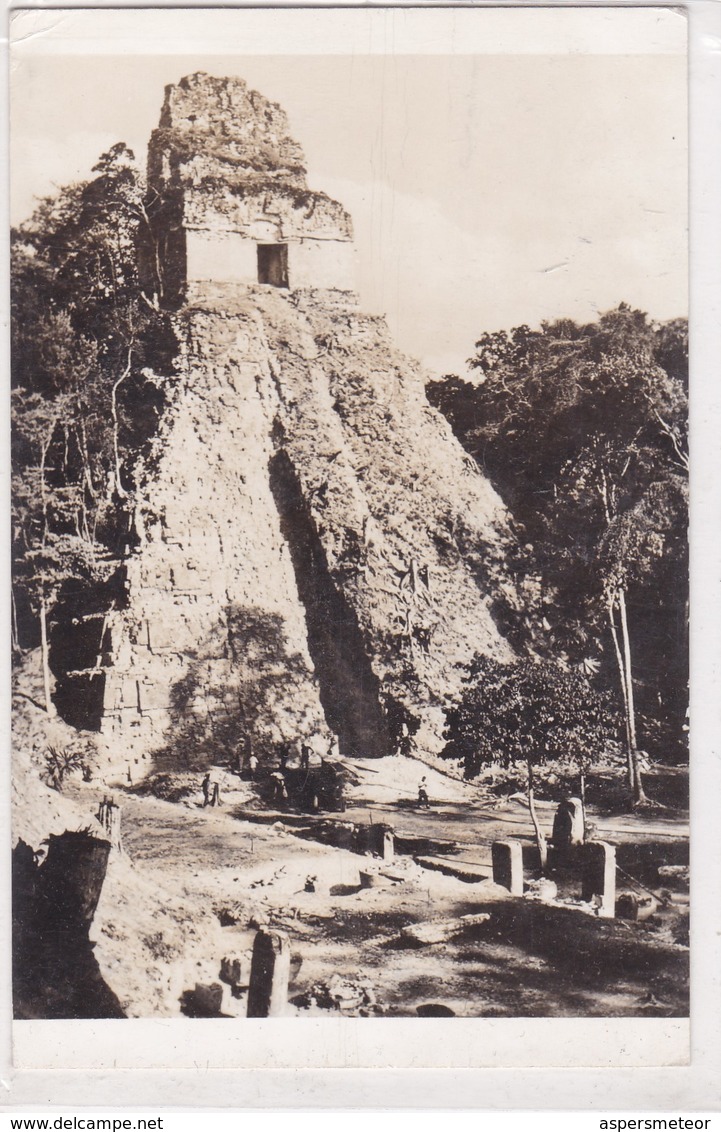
x=349 y=515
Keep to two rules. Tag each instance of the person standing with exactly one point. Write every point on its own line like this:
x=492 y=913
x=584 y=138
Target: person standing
x=279 y=789
x=206 y=790
x=423 y=794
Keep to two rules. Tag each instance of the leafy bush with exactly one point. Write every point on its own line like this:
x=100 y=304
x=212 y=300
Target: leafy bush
x=524 y=715
x=61 y=761
x=169 y=787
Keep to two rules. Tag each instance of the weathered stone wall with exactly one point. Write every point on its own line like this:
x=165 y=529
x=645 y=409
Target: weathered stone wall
x=214 y=617
x=218 y=127
x=269 y=212
x=322 y=264
x=225 y=176
x=351 y=560
x=230 y=257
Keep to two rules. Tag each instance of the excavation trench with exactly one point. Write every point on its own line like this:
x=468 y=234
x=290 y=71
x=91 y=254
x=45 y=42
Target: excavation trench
x=349 y=689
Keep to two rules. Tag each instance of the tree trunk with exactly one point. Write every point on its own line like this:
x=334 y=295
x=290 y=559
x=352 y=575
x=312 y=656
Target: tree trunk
x=639 y=794
x=624 y=694
x=157 y=264
x=116 y=424
x=582 y=785
x=103 y=630
x=540 y=839
x=45 y=652
x=14 y=621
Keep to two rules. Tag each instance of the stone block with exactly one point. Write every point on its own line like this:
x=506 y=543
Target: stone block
x=374 y=880
x=153 y=696
x=568 y=825
x=208 y=1000
x=466 y=871
x=599 y=877
x=186 y=578
x=130 y=697
x=231 y=970
x=543 y=889
x=438 y=931
x=507 y=859
x=630 y=906
x=269 y=975
x=163 y=634
x=233 y=1003
x=376 y=840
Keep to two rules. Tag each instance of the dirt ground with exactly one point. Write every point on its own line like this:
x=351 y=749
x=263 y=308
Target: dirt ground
x=194 y=882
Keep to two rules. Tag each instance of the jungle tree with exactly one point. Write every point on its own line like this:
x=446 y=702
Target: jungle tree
x=577 y=426
x=525 y=714
x=87 y=342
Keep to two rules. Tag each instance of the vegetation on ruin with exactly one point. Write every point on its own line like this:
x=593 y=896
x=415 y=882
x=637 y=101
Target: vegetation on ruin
x=88 y=343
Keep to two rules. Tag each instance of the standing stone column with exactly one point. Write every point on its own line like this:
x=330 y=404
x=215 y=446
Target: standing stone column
x=378 y=839
x=114 y=827
x=508 y=865
x=568 y=825
x=108 y=816
x=578 y=826
x=599 y=876
x=269 y=975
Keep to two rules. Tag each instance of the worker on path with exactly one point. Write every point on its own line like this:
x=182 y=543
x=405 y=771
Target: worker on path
x=423 y=801
x=280 y=793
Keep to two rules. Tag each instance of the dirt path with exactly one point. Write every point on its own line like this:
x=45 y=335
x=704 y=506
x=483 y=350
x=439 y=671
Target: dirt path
x=470 y=822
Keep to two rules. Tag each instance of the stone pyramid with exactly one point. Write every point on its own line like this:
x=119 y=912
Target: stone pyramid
x=316 y=554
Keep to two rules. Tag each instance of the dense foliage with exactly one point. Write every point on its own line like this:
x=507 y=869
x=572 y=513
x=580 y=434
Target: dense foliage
x=88 y=343
x=582 y=429
x=526 y=714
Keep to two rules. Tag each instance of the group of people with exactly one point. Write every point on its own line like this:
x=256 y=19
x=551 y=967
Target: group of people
x=308 y=752
x=279 y=789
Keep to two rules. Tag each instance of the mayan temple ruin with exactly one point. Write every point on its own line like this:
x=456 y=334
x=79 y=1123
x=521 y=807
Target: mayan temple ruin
x=346 y=684
x=315 y=552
